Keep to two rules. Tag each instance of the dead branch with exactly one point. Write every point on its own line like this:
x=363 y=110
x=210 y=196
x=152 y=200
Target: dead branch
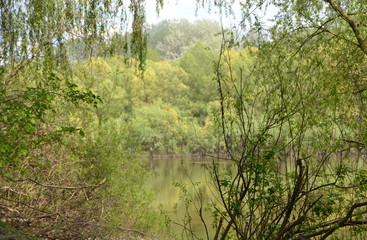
x=25 y=204
x=8 y=188
x=62 y=187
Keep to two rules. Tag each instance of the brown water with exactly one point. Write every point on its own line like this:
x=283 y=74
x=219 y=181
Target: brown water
x=195 y=178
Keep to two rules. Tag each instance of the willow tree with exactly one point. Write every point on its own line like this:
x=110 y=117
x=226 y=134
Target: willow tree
x=294 y=125
x=45 y=189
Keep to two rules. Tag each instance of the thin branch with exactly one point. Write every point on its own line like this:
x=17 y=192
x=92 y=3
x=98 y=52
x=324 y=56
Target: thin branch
x=24 y=204
x=62 y=187
x=343 y=221
x=34 y=55
x=184 y=227
x=218 y=228
x=9 y=237
x=351 y=23
x=322 y=231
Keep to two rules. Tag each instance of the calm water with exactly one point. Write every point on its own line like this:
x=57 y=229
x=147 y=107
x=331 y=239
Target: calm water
x=191 y=174
x=195 y=177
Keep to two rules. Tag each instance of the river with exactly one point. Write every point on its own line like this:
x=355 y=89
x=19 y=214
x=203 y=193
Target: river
x=176 y=180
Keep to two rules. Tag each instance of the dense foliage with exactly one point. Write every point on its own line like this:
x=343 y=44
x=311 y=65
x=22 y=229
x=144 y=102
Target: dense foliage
x=294 y=124
x=64 y=172
x=77 y=110
x=284 y=101
x=167 y=109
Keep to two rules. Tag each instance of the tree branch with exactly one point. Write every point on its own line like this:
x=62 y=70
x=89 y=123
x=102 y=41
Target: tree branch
x=351 y=23
x=62 y=187
x=343 y=221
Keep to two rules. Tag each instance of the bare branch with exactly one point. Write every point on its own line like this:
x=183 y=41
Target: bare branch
x=62 y=187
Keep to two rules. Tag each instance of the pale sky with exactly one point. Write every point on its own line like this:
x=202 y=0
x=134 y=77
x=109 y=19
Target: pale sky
x=178 y=9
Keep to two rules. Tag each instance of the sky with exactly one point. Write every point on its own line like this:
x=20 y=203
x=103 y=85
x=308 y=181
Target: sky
x=178 y=9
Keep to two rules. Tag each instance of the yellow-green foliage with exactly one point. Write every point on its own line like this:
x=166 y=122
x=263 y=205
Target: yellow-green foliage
x=169 y=107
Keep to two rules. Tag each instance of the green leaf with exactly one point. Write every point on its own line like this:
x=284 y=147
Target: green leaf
x=33 y=121
x=81 y=133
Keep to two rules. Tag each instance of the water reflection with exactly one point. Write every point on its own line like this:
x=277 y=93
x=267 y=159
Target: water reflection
x=190 y=172
x=186 y=173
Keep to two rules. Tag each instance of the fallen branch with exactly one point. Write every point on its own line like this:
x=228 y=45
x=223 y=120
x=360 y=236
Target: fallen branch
x=8 y=188
x=9 y=237
x=62 y=187
x=25 y=204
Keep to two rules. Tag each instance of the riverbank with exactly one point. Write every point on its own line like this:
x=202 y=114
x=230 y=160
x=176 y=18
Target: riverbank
x=186 y=156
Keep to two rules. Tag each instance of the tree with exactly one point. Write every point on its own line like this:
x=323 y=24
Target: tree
x=173 y=37
x=47 y=188
x=198 y=63
x=155 y=126
x=35 y=32
x=299 y=170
